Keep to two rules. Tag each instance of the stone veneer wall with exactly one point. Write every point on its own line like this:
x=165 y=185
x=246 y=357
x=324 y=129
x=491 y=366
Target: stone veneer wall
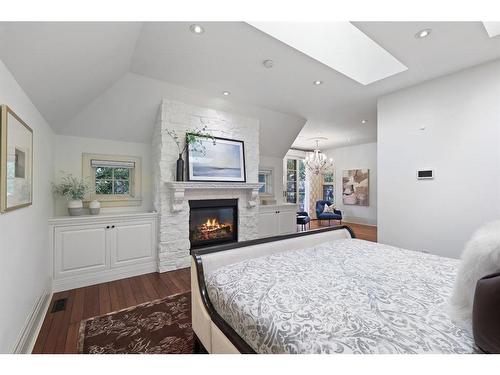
x=173 y=243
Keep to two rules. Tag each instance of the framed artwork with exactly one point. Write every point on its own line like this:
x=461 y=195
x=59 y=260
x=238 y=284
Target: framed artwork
x=355 y=187
x=328 y=193
x=16 y=161
x=218 y=159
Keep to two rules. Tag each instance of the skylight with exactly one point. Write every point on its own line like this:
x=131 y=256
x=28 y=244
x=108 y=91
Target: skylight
x=339 y=45
x=492 y=28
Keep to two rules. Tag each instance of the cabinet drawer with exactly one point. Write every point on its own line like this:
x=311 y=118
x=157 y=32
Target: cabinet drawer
x=133 y=243
x=80 y=249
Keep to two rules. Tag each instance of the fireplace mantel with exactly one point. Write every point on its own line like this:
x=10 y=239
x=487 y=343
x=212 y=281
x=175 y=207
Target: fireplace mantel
x=179 y=188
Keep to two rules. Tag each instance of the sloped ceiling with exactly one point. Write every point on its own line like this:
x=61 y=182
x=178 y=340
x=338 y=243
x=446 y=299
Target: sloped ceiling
x=107 y=79
x=132 y=103
x=63 y=66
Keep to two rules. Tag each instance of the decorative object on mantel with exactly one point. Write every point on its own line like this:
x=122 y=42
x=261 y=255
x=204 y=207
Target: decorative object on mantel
x=94 y=207
x=216 y=159
x=317 y=162
x=16 y=161
x=193 y=139
x=74 y=190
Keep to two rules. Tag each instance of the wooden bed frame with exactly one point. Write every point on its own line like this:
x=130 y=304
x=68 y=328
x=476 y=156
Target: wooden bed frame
x=212 y=332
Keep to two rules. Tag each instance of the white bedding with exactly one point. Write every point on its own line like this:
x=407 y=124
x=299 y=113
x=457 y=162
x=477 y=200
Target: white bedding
x=345 y=296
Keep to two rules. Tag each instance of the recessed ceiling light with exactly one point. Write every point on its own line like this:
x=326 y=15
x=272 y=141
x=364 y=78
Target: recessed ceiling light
x=226 y=93
x=317 y=83
x=423 y=33
x=268 y=63
x=196 y=29
x=364 y=121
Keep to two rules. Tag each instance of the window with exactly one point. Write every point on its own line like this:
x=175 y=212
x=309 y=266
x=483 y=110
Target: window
x=328 y=187
x=266 y=181
x=291 y=181
x=114 y=180
x=296 y=186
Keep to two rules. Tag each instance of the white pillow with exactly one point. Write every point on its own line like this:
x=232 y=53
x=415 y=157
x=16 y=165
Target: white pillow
x=328 y=209
x=480 y=258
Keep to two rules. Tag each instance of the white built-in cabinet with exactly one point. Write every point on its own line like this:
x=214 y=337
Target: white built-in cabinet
x=277 y=219
x=94 y=249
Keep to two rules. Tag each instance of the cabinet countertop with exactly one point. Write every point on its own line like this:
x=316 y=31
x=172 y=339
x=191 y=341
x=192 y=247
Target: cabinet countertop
x=101 y=217
x=282 y=205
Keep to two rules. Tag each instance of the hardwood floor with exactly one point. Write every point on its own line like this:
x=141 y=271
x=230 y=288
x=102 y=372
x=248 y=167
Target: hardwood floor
x=364 y=232
x=59 y=332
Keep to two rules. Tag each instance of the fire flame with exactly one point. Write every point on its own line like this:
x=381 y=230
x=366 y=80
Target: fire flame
x=212 y=223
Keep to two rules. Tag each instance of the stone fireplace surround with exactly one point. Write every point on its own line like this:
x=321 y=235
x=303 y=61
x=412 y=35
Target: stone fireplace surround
x=171 y=198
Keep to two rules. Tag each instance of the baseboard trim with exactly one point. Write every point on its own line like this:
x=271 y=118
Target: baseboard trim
x=360 y=221
x=79 y=281
x=29 y=334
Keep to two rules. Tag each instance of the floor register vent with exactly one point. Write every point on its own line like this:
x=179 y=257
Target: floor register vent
x=59 y=305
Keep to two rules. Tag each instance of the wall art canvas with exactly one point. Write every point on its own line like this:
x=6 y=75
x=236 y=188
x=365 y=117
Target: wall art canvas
x=217 y=159
x=355 y=187
x=16 y=161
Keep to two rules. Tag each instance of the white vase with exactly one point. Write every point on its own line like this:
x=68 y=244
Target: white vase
x=94 y=207
x=75 y=207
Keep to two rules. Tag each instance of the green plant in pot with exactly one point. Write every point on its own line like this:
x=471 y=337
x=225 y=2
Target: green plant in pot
x=74 y=190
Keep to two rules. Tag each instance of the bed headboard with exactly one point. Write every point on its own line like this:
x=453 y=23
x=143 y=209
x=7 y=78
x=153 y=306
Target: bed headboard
x=486 y=312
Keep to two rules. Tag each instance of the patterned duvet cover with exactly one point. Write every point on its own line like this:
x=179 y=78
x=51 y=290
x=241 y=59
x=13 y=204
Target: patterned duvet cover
x=345 y=296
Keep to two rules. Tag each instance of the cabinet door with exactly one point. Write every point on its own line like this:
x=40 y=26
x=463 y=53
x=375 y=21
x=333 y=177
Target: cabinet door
x=80 y=249
x=268 y=224
x=132 y=243
x=288 y=222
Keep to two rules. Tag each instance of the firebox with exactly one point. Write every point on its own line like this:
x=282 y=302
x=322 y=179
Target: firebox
x=213 y=222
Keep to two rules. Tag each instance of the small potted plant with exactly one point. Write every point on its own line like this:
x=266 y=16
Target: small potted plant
x=74 y=190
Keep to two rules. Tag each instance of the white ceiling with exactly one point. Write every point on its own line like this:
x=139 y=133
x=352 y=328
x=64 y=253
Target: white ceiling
x=339 y=45
x=107 y=79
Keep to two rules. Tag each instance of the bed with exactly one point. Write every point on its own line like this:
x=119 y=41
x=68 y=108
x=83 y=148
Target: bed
x=323 y=292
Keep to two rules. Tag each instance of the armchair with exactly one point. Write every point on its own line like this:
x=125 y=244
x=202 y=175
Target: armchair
x=320 y=215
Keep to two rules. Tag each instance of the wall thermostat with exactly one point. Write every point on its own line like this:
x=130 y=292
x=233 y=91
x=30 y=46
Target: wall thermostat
x=425 y=174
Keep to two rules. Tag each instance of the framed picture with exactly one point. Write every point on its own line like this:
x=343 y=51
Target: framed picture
x=16 y=161
x=355 y=187
x=328 y=193
x=217 y=159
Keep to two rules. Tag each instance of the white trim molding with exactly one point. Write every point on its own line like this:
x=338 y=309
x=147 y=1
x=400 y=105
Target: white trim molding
x=179 y=190
x=29 y=334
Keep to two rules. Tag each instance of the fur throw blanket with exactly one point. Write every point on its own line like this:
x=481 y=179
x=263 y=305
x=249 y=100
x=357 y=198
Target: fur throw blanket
x=481 y=257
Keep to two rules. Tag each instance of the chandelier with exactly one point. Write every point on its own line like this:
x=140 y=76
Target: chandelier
x=317 y=162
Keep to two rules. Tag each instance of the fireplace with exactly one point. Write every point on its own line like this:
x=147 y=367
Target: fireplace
x=213 y=222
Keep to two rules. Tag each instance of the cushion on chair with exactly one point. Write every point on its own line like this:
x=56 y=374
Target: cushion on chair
x=329 y=209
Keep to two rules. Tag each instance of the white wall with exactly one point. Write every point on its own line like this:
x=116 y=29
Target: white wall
x=461 y=142
x=362 y=156
x=277 y=165
x=24 y=241
x=68 y=158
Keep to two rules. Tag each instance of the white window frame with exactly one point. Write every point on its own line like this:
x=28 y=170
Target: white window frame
x=269 y=190
x=134 y=198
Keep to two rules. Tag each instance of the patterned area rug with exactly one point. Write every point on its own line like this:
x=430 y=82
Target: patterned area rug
x=158 y=327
